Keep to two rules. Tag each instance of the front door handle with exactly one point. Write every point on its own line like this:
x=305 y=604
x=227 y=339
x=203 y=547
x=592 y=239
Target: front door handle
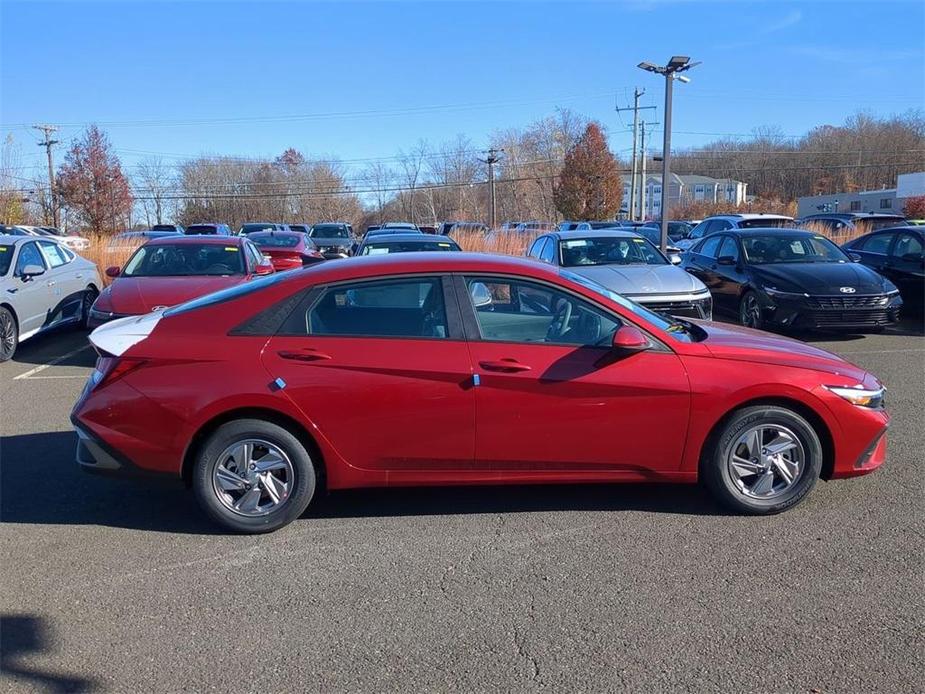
x=303 y=355
x=506 y=365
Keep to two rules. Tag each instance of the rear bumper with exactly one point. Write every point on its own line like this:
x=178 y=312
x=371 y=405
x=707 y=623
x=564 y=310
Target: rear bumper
x=94 y=456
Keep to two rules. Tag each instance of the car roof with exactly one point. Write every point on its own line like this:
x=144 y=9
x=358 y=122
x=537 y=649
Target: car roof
x=412 y=238
x=196 y=239
x=747 y=215
x=8 y=239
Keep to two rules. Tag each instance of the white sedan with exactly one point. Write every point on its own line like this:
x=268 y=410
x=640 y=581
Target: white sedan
x=43 y=285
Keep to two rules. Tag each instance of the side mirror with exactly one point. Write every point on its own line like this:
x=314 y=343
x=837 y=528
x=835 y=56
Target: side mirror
x=113 y=271
x=481 y=295
x=264 y=269
x=32 y=271
x=675 y=259
x=629 y=338
x=725 y=260
x=855 y=257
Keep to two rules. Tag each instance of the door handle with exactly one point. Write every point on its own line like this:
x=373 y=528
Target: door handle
x=51 y=283
x=304 y=355
x=507 y=365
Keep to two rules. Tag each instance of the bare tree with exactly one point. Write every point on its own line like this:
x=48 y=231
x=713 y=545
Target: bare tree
x=156 y=181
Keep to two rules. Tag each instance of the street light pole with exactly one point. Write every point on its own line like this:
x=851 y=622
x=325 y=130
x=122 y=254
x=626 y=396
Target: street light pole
x=677 y=64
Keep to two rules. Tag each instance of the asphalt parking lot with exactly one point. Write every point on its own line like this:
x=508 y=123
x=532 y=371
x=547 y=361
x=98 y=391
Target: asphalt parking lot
x=110 y=585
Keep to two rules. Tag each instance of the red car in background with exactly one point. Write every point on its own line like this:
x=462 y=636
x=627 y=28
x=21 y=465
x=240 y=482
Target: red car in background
x=287 y=250
x=173 y=269
x=462 y=369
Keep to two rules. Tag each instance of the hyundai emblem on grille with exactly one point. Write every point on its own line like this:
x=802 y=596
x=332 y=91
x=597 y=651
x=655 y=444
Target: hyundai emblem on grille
x=846 y=290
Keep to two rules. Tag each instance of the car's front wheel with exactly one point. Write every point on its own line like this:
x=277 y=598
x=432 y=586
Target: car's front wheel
x=764 y=460
x=750 y=311
x=86 y=302
x=253 y=476
x=9 y=334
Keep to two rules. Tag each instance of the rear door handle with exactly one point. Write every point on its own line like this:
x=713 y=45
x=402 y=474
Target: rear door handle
x=507 y=365
x=303 y=355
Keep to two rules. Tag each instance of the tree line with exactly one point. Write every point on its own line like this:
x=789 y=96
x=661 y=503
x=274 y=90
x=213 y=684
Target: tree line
x=557 y=167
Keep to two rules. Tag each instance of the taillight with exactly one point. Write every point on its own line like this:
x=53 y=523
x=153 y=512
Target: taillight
x=111 y=369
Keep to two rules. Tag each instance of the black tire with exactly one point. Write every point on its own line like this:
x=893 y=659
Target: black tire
x=302 y=486
x=715 y=471
x=89 y=296
x=747 y=317
x=9 y=334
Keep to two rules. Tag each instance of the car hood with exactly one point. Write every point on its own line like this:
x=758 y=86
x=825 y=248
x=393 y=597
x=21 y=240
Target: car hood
x=823 y=278
x=632 y=280
x=136 y=295
x=738 y=343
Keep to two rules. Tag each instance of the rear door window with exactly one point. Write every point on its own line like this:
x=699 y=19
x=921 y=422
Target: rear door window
x=876 y=243
x=410 y=308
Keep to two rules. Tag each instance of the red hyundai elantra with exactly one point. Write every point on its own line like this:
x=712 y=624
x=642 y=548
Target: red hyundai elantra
x=287 y=250
x=453 y=368
x=173 y=269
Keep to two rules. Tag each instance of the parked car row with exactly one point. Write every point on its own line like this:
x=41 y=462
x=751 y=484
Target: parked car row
x=74 y=242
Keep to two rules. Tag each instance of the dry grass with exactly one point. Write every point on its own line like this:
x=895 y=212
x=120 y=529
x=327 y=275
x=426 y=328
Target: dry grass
x=106 y=255
x=503 y=242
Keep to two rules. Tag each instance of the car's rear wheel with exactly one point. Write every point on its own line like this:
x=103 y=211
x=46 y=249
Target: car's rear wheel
x=750 y=311
x=764 y=460
x=9 y=334
x=253 y=476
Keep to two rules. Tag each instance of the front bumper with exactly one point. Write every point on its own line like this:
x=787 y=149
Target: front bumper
x=833 y=313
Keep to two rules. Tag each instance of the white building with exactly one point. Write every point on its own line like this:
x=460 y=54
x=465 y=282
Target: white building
x=684 y=187
x=888 y=200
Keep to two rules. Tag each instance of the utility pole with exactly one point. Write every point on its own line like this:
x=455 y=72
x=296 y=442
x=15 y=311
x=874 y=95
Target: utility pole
x=491 y=160
x=47 y=144
x=635 y=108
x=642 y=177
x=671 y=72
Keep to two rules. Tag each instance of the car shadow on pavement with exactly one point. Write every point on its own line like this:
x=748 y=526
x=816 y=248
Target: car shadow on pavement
x=70 y=496
x=23 y=637
x=48 y=347
x=683 y=499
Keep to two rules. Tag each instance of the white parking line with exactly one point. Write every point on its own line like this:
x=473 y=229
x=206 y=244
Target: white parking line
x=38 y=369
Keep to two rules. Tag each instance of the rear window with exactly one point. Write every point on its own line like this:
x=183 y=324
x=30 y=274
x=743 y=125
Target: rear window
x=229 y=294
x=252 y=228
x=329 y=231
x=276 y=240
x=6 y=257
x=202 y=229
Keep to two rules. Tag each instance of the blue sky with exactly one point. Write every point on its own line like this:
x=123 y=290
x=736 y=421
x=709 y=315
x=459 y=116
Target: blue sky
x=397 y=72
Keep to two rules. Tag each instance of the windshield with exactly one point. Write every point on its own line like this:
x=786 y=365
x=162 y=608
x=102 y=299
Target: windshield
x=184 y=260
x=329 y=231
x=383 y=247
x=680 y=330
x=609 y=251
x=764 y=222
x=6 y=257
x=276 y=240
x=786 y=248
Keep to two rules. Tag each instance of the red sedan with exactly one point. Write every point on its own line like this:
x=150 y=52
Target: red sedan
x=287 y=250
x=173 y=269
x=455 y=368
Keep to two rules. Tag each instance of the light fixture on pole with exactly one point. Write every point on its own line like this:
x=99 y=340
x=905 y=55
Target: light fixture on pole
x=671 y=71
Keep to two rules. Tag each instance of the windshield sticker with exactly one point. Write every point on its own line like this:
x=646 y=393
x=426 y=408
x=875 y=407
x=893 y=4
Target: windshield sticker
x=576 y=243
x=231 y=248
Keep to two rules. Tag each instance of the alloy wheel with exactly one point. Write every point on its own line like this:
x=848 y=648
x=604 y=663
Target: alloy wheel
x=766 y=461
x=253 y=477
x=7 y=335
x=750 y=313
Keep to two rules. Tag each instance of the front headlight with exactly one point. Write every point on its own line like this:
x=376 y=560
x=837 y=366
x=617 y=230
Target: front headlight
x=778 y=294
x=859 y=395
